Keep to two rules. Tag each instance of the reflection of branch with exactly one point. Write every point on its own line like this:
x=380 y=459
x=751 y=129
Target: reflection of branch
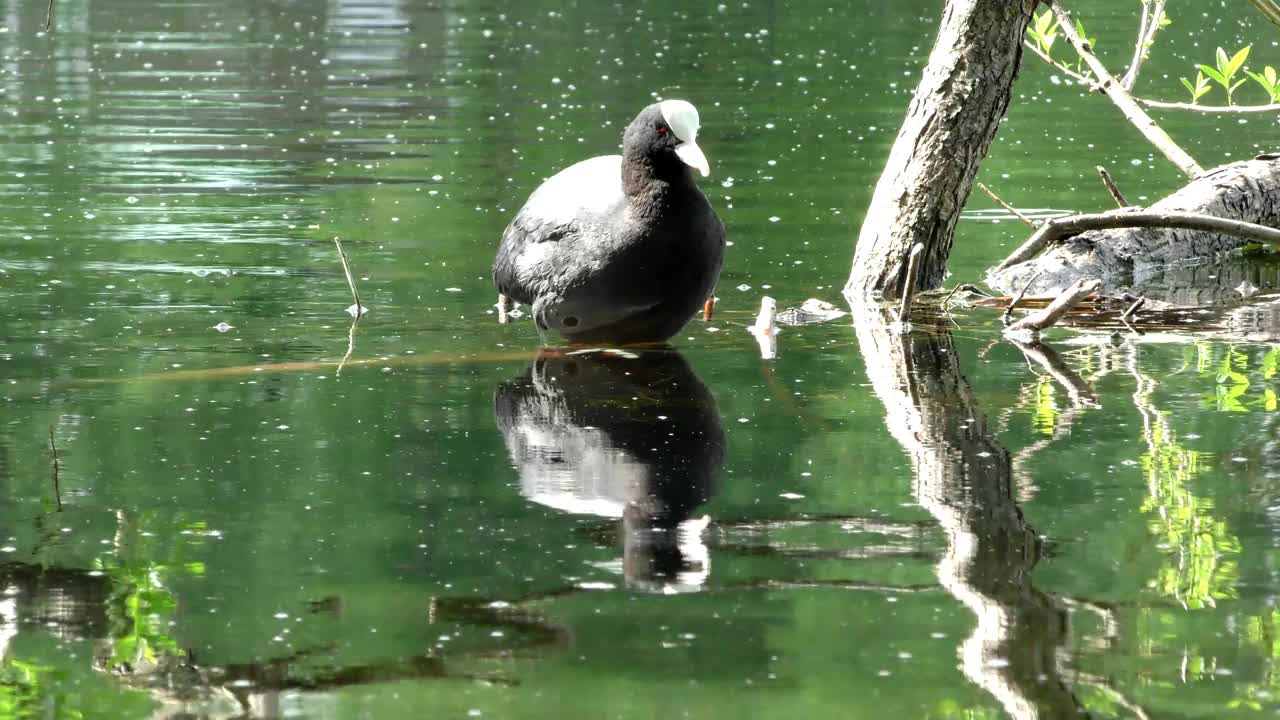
x=1061 y=428
x=53 y=448
x=1049 y=359
x=351 y=344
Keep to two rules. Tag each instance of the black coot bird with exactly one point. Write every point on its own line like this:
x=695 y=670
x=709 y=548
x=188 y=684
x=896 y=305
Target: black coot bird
x=619 y=249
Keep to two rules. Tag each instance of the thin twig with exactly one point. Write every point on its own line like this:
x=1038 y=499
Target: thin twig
x=1152 y=12
x=946 y=300
x=1133 y=309
x=1034 y=322
x=351 y=283
x=1270 y=8
x=505 y=305
x=1059 y=229
x=1004 y=319
x=1082 y=79
x=53 y=448
x=48 y=19
x=1123 y=100
x=1094 y=84
x=1209 y=108
x=1008 y=207
x=1112 y=187
x=909 y=283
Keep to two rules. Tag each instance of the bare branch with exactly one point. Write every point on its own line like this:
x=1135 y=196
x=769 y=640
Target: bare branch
x=909 y=282
x=1270 y=8
x=1210 y=108
x=351 y=283
x=1123 y=100
x=1059 y=229
x=1008 y=207
x=1033 y=323
x=1066 y=69
x=1112 y=187
x=1008 y=312
x=1152 y=12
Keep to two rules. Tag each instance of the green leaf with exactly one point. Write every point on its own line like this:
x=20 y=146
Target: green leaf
x=1213 y=73
x=1237 y=61
x=1046 y=22
x=1198 y=89
x=1268 y=82
x=1093 y=42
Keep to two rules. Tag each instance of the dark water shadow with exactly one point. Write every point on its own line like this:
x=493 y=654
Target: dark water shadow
x=963 y=476
x=632 y=436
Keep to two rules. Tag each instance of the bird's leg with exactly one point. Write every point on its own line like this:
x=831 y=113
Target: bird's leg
x=540 y=318
x=708 y=308
x=504 y=309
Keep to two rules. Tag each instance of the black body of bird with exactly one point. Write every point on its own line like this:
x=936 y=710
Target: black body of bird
x=619 y=249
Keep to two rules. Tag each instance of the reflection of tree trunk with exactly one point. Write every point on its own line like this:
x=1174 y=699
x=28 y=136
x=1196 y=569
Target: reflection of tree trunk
x=963 y=477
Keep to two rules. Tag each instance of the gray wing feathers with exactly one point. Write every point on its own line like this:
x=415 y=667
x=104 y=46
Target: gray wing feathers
x=548 y=244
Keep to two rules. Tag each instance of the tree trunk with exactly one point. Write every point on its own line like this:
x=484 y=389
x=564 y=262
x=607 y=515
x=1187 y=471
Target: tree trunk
x=1130 y=259
x=952 y=119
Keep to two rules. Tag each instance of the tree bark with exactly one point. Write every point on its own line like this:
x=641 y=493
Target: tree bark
x=952 y=119
x=1124 y=259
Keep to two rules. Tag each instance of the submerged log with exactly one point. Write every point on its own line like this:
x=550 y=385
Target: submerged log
x=1125 y=258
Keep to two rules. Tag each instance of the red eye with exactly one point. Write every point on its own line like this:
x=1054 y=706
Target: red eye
x=662 y=130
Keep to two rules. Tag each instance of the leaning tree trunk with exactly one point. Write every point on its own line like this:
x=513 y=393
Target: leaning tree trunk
x=949 y=127
x=1131 y=259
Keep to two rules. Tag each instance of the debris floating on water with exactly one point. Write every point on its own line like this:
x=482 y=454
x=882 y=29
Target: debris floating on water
x=810 y=312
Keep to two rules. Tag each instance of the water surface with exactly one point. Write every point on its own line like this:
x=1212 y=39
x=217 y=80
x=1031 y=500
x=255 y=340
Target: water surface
x=259 y=512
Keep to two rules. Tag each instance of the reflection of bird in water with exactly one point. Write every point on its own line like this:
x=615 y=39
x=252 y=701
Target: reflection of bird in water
x=620 y=435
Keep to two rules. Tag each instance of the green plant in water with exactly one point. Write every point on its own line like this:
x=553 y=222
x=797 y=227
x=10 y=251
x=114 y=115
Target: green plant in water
x=1227 y=68
x=1269 y=82
x=142 y=605
x=1200 y=87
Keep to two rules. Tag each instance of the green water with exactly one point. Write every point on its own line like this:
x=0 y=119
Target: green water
x=245 y=525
